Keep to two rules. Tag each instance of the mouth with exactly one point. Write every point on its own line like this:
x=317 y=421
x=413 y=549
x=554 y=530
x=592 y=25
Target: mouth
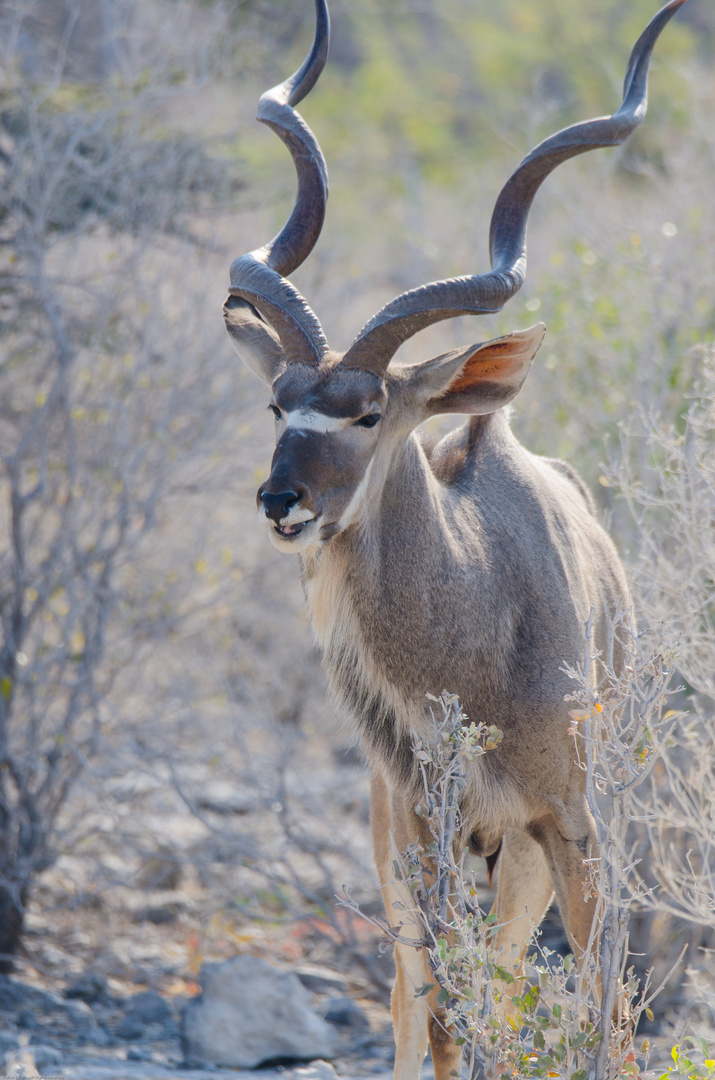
x=290 y=531
x=295 y=534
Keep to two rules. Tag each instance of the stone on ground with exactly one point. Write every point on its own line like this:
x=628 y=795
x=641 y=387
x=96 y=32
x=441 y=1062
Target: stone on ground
x=344 y=1012
x=249 y=1013
x=149 y=1007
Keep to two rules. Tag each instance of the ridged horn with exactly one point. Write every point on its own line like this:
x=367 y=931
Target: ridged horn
x=260 y=276
x=480 y=294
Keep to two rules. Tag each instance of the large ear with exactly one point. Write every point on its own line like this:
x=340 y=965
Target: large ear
x=478 y=379
x=255 y=342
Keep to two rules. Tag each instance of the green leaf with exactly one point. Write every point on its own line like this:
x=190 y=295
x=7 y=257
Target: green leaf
x=539 y=1040
x=559 y=1052
x=6 y=687
x=649 y=1014
x=557 y=1011
x=423 y=991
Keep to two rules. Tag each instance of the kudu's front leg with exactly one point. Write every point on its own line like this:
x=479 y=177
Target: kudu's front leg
x=418 y=1021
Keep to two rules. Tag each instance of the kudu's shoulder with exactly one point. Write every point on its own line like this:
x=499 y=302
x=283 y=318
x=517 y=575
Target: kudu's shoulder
x=564 y=469
x=485 y=448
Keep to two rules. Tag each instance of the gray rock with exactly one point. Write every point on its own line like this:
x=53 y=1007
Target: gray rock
x=89 y=986
x=250 y=1012
x=81 y=1015
x=138 y=1053
x=224 y=798
x=321 y=980
x=11 y=995
x=317 y=1070
x=47 y=1058
x=345 y=1012
x=8 y=1043
x=16 y=995
x=129 y=1027
x=26 y=1019
x=158 y=914
x=98 y=1036
x=160 y=871
x=149 y=1007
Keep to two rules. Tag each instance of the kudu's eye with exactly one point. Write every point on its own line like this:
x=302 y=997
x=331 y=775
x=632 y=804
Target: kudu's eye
x=368 y=421
x=276 y=411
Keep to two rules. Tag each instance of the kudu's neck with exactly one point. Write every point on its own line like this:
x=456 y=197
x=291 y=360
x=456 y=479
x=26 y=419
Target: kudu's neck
x=405 y=516
x=399 y=575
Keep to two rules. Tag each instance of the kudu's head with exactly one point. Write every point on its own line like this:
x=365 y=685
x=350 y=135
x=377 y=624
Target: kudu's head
x=340 y=418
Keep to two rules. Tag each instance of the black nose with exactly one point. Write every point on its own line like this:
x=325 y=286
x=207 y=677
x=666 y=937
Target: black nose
x=278 y=506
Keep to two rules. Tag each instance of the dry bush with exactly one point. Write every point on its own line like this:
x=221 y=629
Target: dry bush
x=666 y=477
x=152 y=707
x=561 y=1022
x=108 y=401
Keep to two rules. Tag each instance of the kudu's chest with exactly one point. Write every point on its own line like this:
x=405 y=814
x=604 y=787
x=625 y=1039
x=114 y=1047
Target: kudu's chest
x=379 y=710
x=382 y=658
x=386 y=706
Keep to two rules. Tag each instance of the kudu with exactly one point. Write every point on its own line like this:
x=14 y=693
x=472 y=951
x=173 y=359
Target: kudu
x=471 y=565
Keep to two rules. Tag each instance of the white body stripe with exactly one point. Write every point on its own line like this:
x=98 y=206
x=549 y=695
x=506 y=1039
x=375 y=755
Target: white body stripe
x=351 y=510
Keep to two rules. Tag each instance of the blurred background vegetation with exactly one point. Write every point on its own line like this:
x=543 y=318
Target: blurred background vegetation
x=198 y=765
x=423 y=112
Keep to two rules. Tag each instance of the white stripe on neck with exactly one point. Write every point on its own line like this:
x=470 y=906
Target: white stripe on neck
x=352 y=510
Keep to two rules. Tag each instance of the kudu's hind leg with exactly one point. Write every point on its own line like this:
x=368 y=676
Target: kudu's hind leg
x=418 y=1022
x=568 y=862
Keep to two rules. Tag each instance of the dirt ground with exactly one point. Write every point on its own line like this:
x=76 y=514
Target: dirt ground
x=102 y=980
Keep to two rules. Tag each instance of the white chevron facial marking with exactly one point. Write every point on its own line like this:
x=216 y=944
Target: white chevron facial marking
x=311 y=420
